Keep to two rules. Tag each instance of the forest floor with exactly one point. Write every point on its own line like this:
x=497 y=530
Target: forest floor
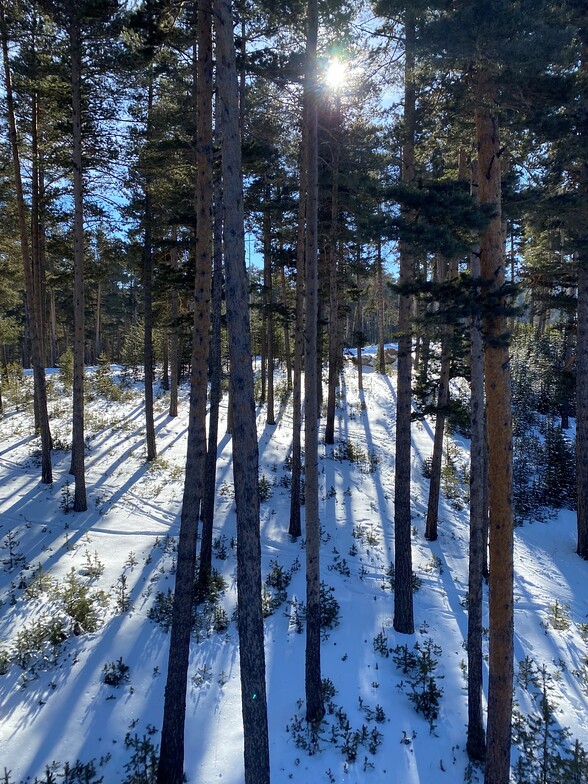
x=84 y=603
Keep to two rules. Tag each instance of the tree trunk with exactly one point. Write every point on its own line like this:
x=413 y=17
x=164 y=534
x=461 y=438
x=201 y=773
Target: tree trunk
x=175 y=339
x=245 y=453
x=582 y=407
x=403 y=602
x=287 y=349
x=582 y=347
x=53 y=328
x=314 y=700
x=171 y=761
x=295 y=528
x=165 y=360
x=97 y=340
x=359 y=327
x=322 y=298
x=442 y=403
x=268 y=309
x=499 y=434
x=215 y=370
x=33 y=295
x=476 y=740
x=381 y=358
x=148 y=299
x=334 y=341
x=77 y=449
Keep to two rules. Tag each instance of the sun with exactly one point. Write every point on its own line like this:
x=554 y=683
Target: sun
x=336 y=74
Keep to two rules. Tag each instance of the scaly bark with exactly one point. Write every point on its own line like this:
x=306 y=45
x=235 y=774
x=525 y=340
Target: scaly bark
x=148 y=299
x=78 y=468
x=171 y=761
x=582 y=347
x=403 y=603
x=245 y=453
x=499 y=436
x=476 y=740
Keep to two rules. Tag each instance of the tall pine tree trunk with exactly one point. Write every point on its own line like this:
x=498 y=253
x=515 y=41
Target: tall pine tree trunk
x=148 y=299
x=268 y=307
x=476 y=740
x=442 y=403
x=171 y=761
x=334 y=329
x=77 y=449
x=314 y=700
x=215 y=369
x=295 y=527
x=582 y=348
x=582 y=406
x=97 y=325
x=245 y=452
x=287 y=349
x=33 y=300
x=358 y=321
x=499 y=436
x=165 y=360
x=403 y=603
x=53 y=327
x=381 y=357
x=174 y=309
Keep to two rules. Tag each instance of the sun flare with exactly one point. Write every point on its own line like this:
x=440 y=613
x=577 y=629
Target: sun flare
x=336 y=74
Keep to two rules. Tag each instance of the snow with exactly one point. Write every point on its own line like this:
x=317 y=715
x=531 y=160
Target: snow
x=58 y=708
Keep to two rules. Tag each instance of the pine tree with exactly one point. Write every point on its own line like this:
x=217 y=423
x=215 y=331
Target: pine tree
x=171 y=762
x=314 y=699
x=33 y=292
x=245 y=453
x=403 y=603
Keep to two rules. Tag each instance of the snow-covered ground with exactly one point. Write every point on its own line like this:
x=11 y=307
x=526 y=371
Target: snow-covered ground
x=108 y=565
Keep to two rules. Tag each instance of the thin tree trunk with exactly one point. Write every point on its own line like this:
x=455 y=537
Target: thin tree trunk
x=77 y=460
x=334 y=341
x=314 y=700
x=582 y=407
x=499 y=432
x=476 y=740
x=381 y=358
x=36 y=305
x=43 y=261
x=268 y=309
x=295 y=528
x=175 y=339
x=442 y=403
x=359 y=325
x=245 y=453
x=165 y=360
x=322 y=298
x=215 y=362
x=97 y=341
x=53 y=328
x=582 y=348
x=33 y=302
x=148 y=299
x=171 y=761
x=263 y=359
x=403 y=601
x=287 y=349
